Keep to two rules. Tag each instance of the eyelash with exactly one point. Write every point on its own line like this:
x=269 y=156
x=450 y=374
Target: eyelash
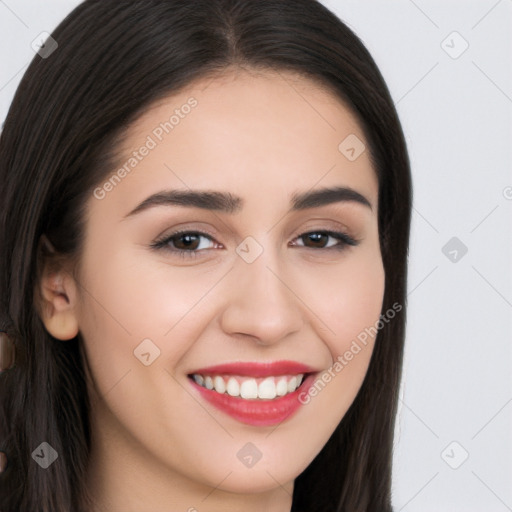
x=163 y=243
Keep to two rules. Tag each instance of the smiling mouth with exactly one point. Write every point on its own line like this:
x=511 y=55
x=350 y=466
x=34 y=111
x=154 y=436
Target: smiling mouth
x=257 y=394
x=250 y=388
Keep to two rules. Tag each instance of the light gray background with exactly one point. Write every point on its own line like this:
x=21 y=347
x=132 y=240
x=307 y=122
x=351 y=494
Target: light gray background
x=456 y=114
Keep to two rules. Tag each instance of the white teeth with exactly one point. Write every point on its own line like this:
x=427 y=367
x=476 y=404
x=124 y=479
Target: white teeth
x=292 y=384
x=233 y=388
x=208 y=382
x=267 y=388
x=219 y=384
x=281 y=387
x=248 y=388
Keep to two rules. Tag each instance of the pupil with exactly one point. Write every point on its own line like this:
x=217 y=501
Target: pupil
x=316 y=237
x=188 y=240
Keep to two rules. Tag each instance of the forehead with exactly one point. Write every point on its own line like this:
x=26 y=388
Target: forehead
x=260 y=102
x=251 y=133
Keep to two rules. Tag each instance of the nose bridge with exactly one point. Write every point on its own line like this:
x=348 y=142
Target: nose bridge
x=260 y=303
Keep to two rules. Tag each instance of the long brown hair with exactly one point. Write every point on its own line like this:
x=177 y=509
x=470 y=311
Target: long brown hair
x=114 y=58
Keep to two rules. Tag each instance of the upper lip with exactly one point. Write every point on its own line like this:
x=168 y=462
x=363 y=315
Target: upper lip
x=256 y=369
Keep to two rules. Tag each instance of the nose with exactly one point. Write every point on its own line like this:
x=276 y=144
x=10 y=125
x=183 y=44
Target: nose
x=260 y=302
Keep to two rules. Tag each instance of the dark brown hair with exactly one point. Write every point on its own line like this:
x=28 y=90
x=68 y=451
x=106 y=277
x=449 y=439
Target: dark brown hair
x=114 y=59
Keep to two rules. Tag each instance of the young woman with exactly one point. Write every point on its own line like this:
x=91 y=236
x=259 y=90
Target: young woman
x=205 y=212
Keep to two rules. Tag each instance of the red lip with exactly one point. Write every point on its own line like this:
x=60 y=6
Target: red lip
x=257 y=412
x=254 y=369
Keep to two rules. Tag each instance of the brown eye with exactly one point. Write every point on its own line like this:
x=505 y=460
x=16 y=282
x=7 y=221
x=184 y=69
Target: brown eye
x=184 y=243
x=319 y=239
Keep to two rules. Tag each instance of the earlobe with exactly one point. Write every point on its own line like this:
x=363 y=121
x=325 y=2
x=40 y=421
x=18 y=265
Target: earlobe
x=56 y=303
x=63 y=328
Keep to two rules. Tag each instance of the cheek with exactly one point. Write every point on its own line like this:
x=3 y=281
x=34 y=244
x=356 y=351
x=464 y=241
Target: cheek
x=348 y=299
x=132 y=296
x=134 y=306
x=348 y=305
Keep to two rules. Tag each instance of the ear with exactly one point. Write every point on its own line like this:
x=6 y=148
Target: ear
x=56 y=296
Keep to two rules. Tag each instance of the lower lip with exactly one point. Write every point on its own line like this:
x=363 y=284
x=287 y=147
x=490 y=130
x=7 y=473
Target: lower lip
x=257 y=412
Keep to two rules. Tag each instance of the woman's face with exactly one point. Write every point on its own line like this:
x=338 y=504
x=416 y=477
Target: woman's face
x=260 y=277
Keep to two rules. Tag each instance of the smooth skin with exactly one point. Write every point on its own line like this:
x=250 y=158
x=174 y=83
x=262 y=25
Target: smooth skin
x=263 y=136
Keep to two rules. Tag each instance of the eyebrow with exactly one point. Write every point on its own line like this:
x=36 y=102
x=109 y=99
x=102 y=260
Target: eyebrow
x=228 y=203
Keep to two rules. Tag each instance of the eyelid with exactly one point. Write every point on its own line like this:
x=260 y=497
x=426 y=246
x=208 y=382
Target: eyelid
x=342 y=236
x=162 y=241
x=322 y=224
